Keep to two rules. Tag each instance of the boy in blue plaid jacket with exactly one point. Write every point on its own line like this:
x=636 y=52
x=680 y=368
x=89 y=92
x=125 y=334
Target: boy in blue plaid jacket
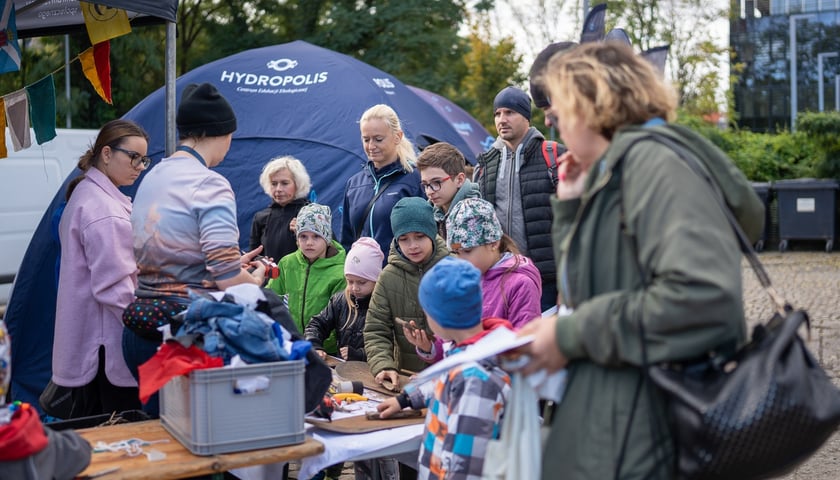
x=466 y=404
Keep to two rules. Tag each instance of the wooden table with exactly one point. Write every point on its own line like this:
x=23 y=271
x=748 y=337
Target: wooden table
x=179 y=462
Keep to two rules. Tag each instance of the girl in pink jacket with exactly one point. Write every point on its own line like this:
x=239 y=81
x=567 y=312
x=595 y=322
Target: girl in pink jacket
x=510 y=282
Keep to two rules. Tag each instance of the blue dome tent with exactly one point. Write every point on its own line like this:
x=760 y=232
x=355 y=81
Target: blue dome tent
x=291 y=99
x=474 y=133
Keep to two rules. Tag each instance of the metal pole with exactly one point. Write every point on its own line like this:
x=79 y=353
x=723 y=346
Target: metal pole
x=837 y=93
x=793 y=106
x=170 y=88
x=820 y=79
x=820 y=94
x=584 y=5
x=69 y=121
x=792 y=34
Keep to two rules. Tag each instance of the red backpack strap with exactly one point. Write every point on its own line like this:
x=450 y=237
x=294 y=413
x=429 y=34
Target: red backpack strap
x=549 y=151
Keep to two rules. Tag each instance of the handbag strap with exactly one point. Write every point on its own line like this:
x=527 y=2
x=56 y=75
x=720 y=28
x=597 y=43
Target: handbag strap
x=782 y=306
x=361 y=224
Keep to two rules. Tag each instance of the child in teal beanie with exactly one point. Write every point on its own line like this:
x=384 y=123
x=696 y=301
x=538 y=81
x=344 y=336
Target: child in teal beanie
x=415 y=249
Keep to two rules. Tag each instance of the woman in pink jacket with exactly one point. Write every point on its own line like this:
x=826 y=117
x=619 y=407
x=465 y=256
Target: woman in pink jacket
x=98 y=274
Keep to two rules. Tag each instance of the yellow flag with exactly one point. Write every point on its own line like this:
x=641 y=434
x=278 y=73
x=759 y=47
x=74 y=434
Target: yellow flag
x=104 y=23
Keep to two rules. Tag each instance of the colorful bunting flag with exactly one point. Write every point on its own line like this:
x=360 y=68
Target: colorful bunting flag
x=594 y=25
x=42 y=108
x=96 y=65
x=103 y=22
x=3 y=152
x=17 y=114
x=9 y=48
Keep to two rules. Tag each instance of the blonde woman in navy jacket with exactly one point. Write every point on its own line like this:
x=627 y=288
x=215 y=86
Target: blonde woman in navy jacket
x=390 y=169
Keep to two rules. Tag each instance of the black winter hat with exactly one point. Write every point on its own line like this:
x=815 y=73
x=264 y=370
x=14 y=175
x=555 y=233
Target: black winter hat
x=203 y=111
x=514 y=99
x=538 y=70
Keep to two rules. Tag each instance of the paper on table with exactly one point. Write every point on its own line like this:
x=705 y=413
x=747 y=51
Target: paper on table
x=498 y=341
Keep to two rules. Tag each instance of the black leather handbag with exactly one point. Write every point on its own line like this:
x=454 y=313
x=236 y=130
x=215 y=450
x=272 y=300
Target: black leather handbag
x=757 y=412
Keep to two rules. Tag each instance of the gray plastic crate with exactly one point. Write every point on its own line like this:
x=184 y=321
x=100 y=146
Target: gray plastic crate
x=203 y=412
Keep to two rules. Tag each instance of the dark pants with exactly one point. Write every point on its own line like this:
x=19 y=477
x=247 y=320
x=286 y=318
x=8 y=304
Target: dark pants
x=549 y=296
x=137 y=351
x=101 y=396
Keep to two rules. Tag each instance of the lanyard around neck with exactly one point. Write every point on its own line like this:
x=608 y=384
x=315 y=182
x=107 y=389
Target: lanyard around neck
x=191 y=151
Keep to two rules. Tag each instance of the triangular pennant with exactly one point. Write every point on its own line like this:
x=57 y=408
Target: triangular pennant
x=17 y=114
x=42 y=108
x=594 y=25
x=618 y=35
x=3 y=152
x=102 y=59
x=96 y=65
x=9 y=48
x=658 y=56
x=103 y=22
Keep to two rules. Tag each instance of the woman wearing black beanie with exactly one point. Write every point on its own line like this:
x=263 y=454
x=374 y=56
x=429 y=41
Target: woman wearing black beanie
x=184 y=223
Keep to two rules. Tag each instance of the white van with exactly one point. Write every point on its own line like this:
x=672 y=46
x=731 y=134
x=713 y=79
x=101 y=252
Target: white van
x=29 y=179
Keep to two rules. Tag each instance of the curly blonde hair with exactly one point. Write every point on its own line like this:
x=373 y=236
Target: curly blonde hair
x=299 y=174
x=607 y=86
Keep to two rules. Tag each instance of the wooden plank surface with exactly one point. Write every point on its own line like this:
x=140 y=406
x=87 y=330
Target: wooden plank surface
x=179 y=462
x=361 y=424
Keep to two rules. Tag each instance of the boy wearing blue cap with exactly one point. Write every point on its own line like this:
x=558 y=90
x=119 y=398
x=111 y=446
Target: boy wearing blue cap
x=466 y=404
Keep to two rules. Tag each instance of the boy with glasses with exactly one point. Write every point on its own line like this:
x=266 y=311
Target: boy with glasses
x=444 y=179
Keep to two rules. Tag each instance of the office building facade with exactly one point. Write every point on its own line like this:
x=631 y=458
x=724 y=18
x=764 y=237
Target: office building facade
x=762 y=35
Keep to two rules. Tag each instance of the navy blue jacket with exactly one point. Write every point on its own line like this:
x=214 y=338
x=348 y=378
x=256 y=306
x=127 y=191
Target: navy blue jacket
x=361 y=188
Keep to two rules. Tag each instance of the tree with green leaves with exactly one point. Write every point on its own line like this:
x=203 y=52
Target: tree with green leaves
x=417 y=41
x=490 y=68
x=695 y=53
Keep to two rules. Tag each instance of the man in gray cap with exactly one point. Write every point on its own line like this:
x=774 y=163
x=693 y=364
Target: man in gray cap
x=518 y=175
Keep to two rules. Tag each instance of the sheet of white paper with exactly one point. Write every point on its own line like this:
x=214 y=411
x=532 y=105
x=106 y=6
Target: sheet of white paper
x=498 y=341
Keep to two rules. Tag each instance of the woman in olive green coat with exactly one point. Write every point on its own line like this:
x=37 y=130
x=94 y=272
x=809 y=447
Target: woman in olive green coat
x=639 y=237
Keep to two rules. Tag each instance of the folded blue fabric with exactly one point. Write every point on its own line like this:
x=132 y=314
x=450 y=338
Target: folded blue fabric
x=224 y=329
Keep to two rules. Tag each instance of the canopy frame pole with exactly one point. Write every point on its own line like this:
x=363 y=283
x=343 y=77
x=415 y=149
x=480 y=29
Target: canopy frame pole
x=171 y=38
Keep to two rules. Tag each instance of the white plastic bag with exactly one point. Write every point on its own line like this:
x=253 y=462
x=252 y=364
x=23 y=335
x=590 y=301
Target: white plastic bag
x=518 y=452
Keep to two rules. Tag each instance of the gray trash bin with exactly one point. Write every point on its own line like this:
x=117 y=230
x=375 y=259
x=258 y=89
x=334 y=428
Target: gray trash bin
x=762 y=189
x=807 y=210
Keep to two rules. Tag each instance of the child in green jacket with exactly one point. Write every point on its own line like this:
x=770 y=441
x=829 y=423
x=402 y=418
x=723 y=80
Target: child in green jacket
x=314 y=272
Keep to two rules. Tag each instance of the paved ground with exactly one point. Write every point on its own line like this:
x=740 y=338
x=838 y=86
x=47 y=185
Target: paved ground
x=810 y=280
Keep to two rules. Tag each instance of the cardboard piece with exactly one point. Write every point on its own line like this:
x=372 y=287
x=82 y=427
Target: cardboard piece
x=360 y=371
